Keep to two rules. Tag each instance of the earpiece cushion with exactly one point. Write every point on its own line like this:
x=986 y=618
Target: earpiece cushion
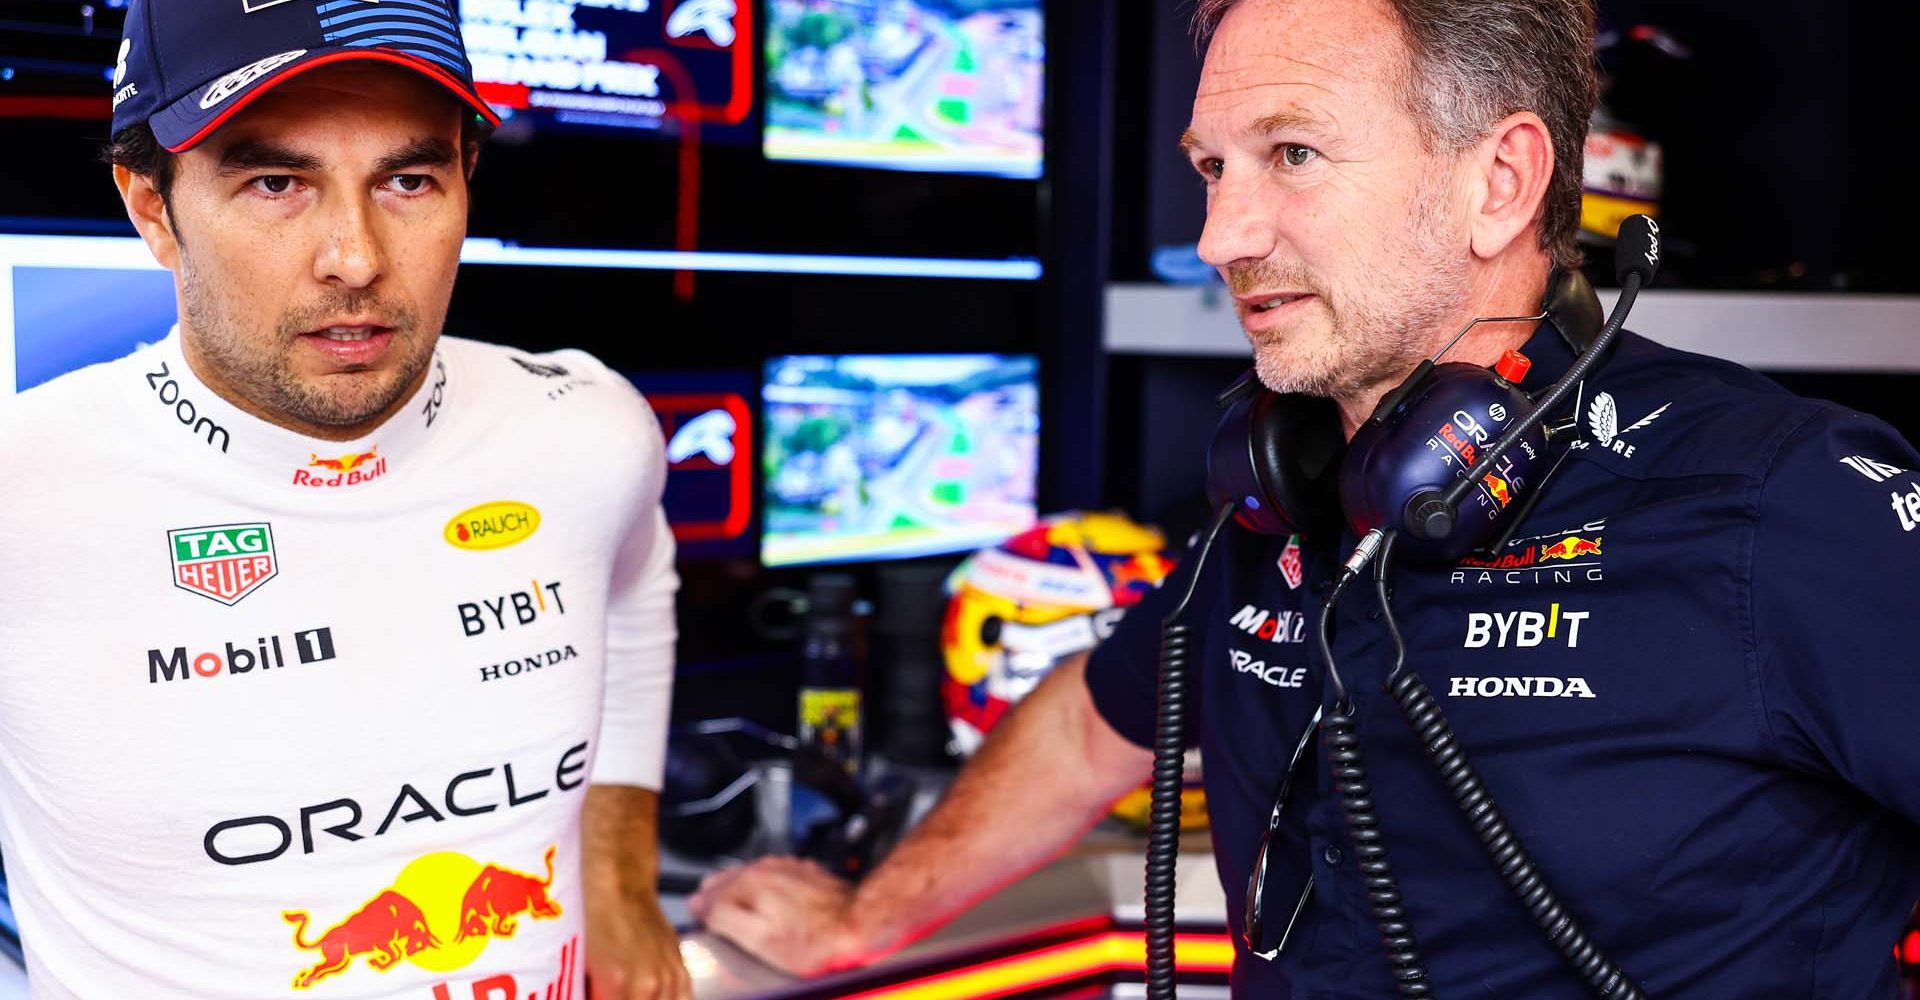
x=1296 y=445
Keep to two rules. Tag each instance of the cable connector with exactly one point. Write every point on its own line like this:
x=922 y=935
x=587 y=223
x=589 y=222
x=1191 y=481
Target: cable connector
x=1363 y=553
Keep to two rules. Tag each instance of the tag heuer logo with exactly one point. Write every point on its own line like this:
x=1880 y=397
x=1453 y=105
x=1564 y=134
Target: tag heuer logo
x=225 y=562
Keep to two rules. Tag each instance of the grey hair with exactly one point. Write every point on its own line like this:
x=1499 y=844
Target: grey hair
x=1474 y=62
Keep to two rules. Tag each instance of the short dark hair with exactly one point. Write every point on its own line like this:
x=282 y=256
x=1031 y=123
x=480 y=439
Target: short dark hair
x=1475 y=62
x=138 y=149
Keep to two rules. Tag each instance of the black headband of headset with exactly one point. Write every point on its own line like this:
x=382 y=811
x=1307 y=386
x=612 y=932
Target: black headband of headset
x=1573 y=307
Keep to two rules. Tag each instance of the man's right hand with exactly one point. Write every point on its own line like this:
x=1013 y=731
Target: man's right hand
x=1046 y=774
x=792 y=914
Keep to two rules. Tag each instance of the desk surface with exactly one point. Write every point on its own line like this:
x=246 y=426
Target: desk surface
x=1100 y=879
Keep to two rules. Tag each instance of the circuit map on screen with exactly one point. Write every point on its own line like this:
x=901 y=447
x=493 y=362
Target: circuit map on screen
x=894 y=456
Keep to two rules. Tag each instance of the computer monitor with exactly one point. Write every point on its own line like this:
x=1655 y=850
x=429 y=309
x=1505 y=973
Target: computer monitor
x=942 y=85
x=893 y=456
x=706 y=418
x=628 y=66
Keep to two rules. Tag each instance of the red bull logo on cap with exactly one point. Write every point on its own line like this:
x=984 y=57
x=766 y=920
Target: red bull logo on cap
x=438 y=914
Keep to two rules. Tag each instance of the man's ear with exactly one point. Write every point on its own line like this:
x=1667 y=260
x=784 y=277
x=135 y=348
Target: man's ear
x=150 y=216
x=1513 y=167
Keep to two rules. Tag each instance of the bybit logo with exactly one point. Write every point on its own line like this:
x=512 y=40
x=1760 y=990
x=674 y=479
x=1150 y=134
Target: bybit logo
x=1524 y=629
x=525 y=606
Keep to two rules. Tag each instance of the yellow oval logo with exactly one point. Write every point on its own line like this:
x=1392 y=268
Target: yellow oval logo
x=493 y=525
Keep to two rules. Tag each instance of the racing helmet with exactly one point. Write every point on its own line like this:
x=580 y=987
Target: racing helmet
x=1020 y=608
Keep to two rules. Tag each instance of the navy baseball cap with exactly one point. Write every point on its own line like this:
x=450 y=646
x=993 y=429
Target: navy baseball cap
x=186 y=66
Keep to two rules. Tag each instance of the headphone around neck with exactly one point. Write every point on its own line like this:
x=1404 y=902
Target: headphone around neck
x=1285 y=463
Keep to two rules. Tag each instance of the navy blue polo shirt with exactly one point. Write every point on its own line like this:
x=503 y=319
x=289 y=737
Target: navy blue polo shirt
x=1688 y=678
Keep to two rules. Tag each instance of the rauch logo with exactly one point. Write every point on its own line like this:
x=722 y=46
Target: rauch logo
x=493 y=525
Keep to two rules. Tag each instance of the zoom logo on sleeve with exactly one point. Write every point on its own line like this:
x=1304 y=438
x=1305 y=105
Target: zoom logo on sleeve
x=183 y=409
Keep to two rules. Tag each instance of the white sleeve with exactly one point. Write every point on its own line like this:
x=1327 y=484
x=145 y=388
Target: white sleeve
x=640 y=639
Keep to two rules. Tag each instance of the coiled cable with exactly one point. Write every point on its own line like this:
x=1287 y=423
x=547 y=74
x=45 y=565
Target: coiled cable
x=1169 y=775
x=1502 y=845
x=1355 y=793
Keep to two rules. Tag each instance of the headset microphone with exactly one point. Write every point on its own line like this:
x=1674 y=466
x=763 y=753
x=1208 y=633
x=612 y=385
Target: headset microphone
x=1432 y=513
x=1638 y=250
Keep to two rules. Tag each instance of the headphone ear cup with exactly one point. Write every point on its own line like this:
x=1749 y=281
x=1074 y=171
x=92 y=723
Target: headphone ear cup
x=1396 y=467
x=1298 y=447
x=1277 y=456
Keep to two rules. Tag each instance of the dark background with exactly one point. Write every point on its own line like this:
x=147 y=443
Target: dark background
x=1789 y=150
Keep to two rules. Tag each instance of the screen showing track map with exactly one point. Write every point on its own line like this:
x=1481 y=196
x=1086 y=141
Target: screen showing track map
x=941 y=85
x=893 y=456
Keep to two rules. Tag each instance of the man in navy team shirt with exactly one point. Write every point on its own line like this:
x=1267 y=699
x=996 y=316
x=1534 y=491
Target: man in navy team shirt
x=1688 y=677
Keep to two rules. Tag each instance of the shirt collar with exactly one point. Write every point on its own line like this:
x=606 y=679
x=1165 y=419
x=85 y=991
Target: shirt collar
x=1551 y=356
x=295 y=462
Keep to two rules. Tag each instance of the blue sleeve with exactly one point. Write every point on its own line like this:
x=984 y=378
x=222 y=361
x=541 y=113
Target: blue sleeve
x=1836 y=554
x=1123 y=674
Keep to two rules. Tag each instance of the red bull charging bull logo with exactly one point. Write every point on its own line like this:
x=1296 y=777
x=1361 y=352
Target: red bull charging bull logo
x=1563 y=557
x=1498 y=488
x=438 y=914
x=1572 y=547
x=346 y=470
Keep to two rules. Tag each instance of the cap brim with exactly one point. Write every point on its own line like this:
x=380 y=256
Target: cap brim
x=184 y=123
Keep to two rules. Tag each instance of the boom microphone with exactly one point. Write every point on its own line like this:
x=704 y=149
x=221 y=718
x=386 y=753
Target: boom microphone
x=1636 y=257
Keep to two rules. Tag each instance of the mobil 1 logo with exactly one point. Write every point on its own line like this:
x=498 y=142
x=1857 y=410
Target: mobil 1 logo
x=265 y=653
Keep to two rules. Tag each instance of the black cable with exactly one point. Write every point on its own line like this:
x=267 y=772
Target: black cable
x=1363 y=822
x=1169 y=772
x=1339 y=687
x=1380 y=565
x=1502 y=845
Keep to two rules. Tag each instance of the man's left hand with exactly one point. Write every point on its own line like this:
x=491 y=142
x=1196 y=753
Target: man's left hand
x=632 y=951
x=634 y=954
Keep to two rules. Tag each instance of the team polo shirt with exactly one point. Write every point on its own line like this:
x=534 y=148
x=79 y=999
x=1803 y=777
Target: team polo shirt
x=289 y=717
x=1688 y=678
